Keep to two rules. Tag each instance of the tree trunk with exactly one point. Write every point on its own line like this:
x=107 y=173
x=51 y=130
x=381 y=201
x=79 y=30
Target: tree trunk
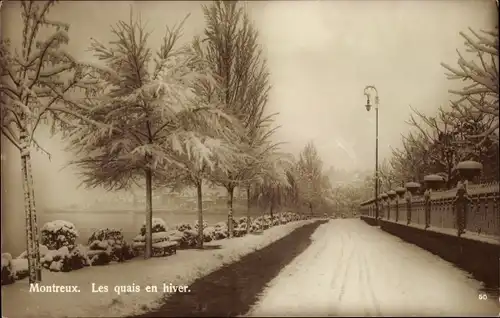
x=27 y=209
x=248 y=209
x=200 y=213
x=34 y=224
x=449 y=180
x=311 y=208
x=278 y=196
x=149 y=215
x=27 y=185
x=230 y=195
x=271 y=206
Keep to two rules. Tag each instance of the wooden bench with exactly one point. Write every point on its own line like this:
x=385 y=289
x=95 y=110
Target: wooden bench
x=164 y=248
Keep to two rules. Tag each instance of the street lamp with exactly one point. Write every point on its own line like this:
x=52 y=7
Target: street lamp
x=368 y=107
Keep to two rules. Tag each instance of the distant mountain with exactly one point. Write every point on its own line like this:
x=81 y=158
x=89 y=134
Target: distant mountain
x=340 y=177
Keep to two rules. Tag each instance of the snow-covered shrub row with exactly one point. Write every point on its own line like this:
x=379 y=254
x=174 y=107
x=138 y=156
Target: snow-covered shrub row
x=186 y=235
x=158 y=226
x=97 y=253
x=105 y=245
x=58 y=233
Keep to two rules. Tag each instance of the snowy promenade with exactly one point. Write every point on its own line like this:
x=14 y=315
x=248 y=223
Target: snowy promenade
x=352 y=268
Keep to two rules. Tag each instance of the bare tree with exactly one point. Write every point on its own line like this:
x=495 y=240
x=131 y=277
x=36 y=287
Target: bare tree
x=386 y=175
x=482 y=93
x=411 y=162
x=442 y=144
x=38 y=82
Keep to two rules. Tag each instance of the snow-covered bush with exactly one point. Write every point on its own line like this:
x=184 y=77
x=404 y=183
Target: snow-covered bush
x=101 y=253
x=99 y=257
x=183 y=226
x=275 y=221
x=265 y=222
x=58 y=233
x=113 y=239
x=139 y=241
x=288 y=216
x=195 y=225
x=208 y=233
x=220 y=231
x=127 y=251
x=64 y=260
x=78 y=258
x=158 y=226
x=256 y=225
x=7 y=272
x=189 y=238
x=240 y=230
x=243 y=220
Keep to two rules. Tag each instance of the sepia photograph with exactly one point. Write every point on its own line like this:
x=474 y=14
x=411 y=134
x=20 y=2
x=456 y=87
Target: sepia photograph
x=249 y=158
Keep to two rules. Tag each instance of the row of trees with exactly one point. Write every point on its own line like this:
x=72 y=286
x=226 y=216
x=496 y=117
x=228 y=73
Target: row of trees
x=303 y=184
x=466 y=130
x=180 y=114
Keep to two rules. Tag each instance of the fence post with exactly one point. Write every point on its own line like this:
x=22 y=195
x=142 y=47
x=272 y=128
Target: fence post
x=461 y=206
x=397 y=209
x=389 y=209
x=408 y=208
x=427 y=196
x=432 y=182
x=411 y=189
x=400 y=191
x=385 y=204
x=392 y=195
x=468 y=171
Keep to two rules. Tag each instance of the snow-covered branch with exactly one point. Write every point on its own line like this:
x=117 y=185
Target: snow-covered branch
x=482 y=94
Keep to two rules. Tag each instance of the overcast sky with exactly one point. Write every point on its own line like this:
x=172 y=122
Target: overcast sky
x=321 y=55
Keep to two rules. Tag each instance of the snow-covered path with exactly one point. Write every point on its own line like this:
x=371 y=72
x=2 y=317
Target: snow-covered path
x=352 y=268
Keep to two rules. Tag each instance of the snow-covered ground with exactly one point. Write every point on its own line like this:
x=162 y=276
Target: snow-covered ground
x=180 y=269
x=352 y=269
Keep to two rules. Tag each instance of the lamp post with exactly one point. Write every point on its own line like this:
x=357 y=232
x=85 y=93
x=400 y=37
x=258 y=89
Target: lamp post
x=368 y=107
